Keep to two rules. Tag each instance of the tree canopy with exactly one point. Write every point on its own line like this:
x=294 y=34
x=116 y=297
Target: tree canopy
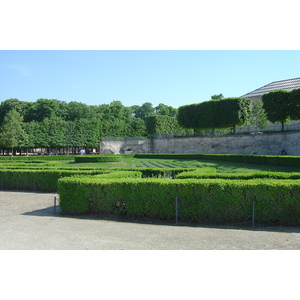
x=212 y=114
x=12 y=133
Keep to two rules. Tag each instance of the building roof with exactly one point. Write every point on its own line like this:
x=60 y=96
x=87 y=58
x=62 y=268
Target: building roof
x=288 y=84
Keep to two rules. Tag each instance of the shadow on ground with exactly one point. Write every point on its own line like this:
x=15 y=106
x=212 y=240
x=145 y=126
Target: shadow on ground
x=53 y=211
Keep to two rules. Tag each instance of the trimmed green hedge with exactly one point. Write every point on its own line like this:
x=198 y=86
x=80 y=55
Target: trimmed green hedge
x=98 y=158
x=37 y=180
x=281 y=160
x=197 y=174
x=78 y=202
x=37 y=157
x=207 y=200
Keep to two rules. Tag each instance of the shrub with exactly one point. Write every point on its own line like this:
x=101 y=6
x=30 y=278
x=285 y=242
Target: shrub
x=281 y=160
x=207 y=200
x=98 y=158
x=238 y=176
x=37 y=180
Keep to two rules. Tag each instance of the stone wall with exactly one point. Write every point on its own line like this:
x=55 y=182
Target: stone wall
x=264 y=144
x=121 y=147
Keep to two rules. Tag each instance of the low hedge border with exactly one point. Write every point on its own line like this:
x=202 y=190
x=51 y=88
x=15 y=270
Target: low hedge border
x=38 y=180
x=281 y=160
x=37 y=157
x=197 y=174
x=201 y=201
x=98 y=158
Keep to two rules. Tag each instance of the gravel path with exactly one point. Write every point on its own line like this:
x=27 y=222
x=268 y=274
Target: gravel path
x=28 y=221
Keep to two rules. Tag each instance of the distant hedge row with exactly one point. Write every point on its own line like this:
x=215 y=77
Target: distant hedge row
x=282 y=160
x=198 y=174
x=207 y=200
x=37 y=157
x=98 y=158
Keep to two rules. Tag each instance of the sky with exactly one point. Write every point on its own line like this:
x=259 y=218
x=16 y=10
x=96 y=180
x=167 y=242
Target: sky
x=171 y=77
x=133 y=51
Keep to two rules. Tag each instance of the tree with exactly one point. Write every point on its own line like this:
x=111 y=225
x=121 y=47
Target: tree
x=137 y=128
x=165 y=110
x=12 y=134
x=76 y=110
x=257 y=115
x=278 y=107
x=46 y=108
x=232 y=112
x=295 y=104
x=145 y=111
x=217 y=97
x=225 y=113
x=20 y=106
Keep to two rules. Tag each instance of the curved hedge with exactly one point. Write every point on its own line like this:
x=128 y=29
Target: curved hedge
x=207 y=200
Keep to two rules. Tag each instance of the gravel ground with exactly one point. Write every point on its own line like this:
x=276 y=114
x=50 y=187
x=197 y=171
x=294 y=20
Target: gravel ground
x=28 y=222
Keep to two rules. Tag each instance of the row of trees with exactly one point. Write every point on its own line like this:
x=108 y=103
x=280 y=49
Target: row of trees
x=276 y=106
x=53 y=124
x=50 y=123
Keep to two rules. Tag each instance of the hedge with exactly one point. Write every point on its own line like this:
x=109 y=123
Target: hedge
x=39 y=157
x=281 y=160
x=201 y=201
x=37 y=180
x=98 y=158
x=198 y=174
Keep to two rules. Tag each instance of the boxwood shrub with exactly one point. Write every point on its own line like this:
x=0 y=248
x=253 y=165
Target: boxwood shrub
x=37 y=180
x=37 y=157
x=207 y=200
x=281 y=160
x=98 y=158
x=198 y=174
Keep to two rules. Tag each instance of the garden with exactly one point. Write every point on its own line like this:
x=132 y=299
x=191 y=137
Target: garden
x=201 y=189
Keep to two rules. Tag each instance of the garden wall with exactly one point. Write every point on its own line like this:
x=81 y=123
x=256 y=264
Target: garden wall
x=262 y=144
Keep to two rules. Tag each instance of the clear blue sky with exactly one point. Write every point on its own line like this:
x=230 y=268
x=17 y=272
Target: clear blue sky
x=133 y=77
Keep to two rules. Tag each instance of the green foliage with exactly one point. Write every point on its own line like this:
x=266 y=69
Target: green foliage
x=165 y=110
x=157 y=124
x=20 y=106
x=257 y=115
x=203 y=174
x=294 y=100
x=224 y=113
x=206 y=200
x=40 y=157
x=277 y=106
x=37 y=180
x=281 y=160
x=144 y=111
x=46 y=108
x=217 y=97
x=12 y=134
x=98 y=158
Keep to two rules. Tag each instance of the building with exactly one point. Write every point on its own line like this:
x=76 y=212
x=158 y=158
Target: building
x=288 y=84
